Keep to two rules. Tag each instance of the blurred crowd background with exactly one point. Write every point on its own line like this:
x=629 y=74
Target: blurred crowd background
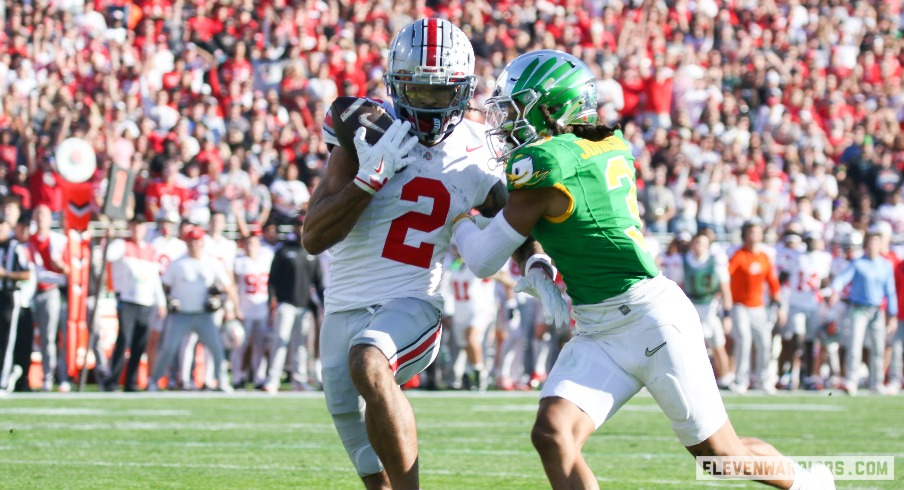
x=738 y=108
x=790 y=112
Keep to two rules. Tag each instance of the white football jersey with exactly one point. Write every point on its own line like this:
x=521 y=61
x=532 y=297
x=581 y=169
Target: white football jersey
x=168 y=250
x=805 y=275
x=785 y=258
x=839 y=265
x=396 y=249
x=472 y=295
x=253 y=277
x=222 y=249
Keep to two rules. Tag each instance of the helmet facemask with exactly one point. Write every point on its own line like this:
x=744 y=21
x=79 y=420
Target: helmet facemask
x=552 y=79
x=506 y=120
x=433 y=101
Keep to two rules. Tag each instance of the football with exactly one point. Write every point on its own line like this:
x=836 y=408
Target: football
x=350 y=113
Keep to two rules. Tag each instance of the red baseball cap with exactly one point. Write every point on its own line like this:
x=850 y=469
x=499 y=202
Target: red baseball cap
x=194 y=233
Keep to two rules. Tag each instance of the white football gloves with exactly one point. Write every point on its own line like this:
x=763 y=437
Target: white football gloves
x=380 y=161
x=537 y=283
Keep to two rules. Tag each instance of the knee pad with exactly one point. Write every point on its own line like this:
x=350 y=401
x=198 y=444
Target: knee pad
x=353 y=434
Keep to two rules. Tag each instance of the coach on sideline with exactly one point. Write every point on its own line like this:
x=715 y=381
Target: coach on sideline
x=194 y=284
x=872 y=280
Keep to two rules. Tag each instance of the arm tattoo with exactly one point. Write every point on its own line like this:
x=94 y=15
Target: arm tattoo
x=495 y=200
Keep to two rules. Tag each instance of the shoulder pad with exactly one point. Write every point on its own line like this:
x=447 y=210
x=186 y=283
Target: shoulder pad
x=531 y=167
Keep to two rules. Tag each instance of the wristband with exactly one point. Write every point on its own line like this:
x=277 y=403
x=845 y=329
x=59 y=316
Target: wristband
x=542 y=260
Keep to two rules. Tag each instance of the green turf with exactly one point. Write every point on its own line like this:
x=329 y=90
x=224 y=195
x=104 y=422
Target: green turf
x=467 y=442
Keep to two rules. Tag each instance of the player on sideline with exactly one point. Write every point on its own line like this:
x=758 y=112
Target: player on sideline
x=475 y=312
x=252 y=278
x=168 y=247
x=388 y=220
x=573 y=188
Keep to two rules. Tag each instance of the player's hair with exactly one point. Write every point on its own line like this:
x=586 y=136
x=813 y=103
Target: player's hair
x=592 y=132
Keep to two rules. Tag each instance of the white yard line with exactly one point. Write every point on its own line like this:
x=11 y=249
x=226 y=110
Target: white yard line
x=101 y=412
x=156 y=426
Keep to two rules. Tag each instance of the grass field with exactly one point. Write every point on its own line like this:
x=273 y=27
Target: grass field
x=252 y=440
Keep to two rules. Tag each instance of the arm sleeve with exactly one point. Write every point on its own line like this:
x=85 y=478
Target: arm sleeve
x=485 y=251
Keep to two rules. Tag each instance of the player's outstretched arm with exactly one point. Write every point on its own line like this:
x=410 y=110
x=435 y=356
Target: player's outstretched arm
x=486 y=250
x=336 y=204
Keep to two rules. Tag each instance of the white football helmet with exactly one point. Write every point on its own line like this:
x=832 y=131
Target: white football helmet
x=430 y=77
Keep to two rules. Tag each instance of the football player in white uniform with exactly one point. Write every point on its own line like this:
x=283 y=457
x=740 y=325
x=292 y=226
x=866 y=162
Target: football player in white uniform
x=168 y=248
x=475 y=311
x=252 y=275
x=388 y=218
x=807 y=275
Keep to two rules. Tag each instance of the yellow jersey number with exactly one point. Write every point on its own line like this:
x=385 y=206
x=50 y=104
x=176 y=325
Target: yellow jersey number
x=619 y=172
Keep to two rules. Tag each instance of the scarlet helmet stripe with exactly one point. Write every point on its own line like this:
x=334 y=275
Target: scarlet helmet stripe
x=432 y=41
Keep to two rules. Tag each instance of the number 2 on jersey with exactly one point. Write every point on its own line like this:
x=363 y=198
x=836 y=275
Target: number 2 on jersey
x=617 y=169
x=422 y=255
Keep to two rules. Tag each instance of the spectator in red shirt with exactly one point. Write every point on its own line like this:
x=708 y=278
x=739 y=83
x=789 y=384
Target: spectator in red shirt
x=165 y=194
x=9 y=152
x=19 y=187
x=46 y=187
x=658 y=92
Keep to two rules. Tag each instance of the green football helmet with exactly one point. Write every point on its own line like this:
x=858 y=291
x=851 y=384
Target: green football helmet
x=558 y=80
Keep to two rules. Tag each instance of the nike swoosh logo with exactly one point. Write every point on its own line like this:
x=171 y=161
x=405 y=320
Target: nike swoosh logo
x=469 y=149
x=380 y=168
x=367 y=123
x=650 y=353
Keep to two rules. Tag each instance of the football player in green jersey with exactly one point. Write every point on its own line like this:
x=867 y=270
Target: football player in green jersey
x=572 y=188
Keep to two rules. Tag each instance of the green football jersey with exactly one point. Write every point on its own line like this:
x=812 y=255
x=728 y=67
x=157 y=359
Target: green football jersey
x=701 y=283
x=596 y=244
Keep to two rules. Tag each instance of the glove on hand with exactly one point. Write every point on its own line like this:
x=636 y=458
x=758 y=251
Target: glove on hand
x=538 y=284
x=380 y=161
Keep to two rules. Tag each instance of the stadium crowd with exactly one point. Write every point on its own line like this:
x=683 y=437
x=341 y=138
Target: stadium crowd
x=785 y=117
